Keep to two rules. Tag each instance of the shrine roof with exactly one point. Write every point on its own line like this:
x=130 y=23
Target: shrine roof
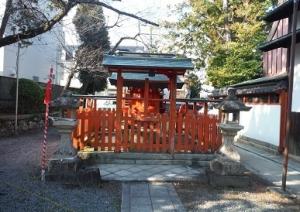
x=145 y=63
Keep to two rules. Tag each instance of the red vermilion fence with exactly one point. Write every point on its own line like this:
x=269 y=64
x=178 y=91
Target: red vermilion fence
x=196 y=133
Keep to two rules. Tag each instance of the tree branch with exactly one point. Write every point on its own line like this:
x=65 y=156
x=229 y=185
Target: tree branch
x=46 y=26
x=5 y=18
x=114 y=49
x=95 y=2
x=115 y=24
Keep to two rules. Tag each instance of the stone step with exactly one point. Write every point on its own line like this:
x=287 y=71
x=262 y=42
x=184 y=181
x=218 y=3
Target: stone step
x=201 y=160
x=155 y=162
x=146 y=156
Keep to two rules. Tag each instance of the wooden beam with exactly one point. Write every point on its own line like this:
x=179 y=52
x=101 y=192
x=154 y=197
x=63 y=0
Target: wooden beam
x=146 y=70
x=146 y=96
x=119 y=111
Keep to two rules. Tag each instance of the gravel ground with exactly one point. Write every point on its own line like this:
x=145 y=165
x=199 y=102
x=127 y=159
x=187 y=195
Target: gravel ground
x=22 y=190
x=199 y=197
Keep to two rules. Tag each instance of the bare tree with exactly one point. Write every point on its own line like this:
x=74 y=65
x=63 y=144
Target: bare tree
x=73 y=70
x=29 y=20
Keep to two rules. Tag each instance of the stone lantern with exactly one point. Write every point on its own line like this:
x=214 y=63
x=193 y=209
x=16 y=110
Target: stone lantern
x=230 y=110
x=66 y=155
x=66 y=103
x=226 y=169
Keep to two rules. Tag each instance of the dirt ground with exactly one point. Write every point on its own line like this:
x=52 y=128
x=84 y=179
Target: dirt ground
x=199 y=197
x=22 y=190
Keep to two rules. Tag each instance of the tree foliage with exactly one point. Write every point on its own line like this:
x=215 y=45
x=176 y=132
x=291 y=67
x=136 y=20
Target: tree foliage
x=30 y=96
x=194 y=85
x=89 y=22
x=201 y=33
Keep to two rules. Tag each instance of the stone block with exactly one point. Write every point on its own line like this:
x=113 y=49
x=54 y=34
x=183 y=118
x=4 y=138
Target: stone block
x=57 y=165
x=89 y=176
x=236 y=181
x=71 y=170
x=224 y=166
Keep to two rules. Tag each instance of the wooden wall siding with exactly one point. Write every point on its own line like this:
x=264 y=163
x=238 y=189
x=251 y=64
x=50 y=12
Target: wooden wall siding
x=194 y=132
x=275 y=61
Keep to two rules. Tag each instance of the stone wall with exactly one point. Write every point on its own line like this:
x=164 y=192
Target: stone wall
x=25 y=123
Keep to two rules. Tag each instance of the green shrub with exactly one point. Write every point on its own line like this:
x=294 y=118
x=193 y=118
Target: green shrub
x=30 y=96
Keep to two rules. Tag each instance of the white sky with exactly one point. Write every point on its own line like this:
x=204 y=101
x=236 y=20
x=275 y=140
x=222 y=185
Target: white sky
x=154 y=10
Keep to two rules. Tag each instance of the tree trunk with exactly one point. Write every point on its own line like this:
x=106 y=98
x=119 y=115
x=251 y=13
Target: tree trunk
x=226 y=21
x=7 y=12
x=66 y=87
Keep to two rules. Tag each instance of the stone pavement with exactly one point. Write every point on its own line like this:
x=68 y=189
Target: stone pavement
x=145 y=187
x=269 y=167
x=163 y=173
x=144 y=197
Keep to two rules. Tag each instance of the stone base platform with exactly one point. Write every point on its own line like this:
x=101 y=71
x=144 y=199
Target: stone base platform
x=225 y=172
x=234 y=181
x=184 y=159
x=70 y=170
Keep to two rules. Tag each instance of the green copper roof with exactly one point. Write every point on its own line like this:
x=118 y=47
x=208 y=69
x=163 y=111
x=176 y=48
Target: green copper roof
x=147 y=62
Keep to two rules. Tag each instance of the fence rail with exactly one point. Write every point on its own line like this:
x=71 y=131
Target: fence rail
x=196 y=133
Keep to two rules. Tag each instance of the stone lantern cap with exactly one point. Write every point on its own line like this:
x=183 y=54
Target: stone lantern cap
x=231 y=104
x=65 y=102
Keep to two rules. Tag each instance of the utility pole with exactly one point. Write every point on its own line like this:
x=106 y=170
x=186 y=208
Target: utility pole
x=290 y=92
x=17 y=87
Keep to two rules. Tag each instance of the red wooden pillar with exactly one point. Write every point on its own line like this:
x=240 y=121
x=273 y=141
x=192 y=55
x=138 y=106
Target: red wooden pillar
x=172 y=83
x=119 y=111
x=146 y=96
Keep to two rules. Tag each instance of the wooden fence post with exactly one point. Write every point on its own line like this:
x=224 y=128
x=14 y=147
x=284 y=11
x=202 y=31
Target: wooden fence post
x=172 y=81
x=119 y=111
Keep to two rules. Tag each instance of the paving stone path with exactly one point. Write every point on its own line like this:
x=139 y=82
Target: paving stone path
x=151 y=173
x=144 y=197
x=146 y=188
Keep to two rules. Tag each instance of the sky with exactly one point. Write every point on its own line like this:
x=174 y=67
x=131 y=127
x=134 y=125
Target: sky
x=154 y=10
